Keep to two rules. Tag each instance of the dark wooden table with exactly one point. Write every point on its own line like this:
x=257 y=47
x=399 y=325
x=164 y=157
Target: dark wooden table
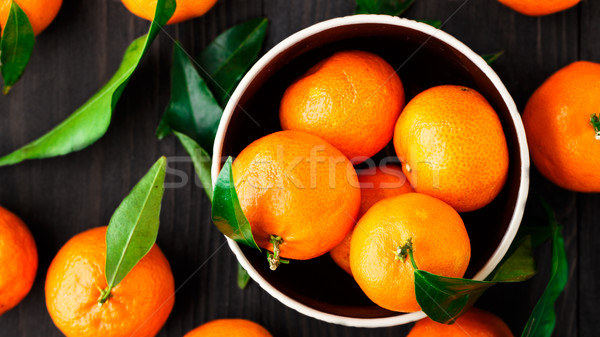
x=60 y=197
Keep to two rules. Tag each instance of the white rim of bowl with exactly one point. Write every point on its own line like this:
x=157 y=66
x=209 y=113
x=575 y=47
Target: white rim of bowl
x=435 y=33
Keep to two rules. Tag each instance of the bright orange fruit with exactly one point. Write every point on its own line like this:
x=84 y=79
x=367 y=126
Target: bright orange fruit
x=18 y=260
x=39 y=12
x=473 y=323
x=452 y=146
x=440 y=243
x=564 y=144
x=230 y=328
x=376 y=184
x=299 y=187
x=351 y=100
x=139 y=305
x=539 y=7
x=186 y=9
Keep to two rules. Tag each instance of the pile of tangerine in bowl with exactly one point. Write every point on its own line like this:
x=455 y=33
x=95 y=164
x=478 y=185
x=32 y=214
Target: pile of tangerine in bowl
x=421 y=153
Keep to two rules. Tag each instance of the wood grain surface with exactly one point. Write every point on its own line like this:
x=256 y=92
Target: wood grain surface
x=61 y=197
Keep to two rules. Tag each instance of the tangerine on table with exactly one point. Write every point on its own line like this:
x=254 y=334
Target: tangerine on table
x=139 y=305
x=563 y=141
x=186 y=9
x=18 y=260
x=350 y=99
x=299 y=188
x=230 y=328
x=376 y=184
x=473 y=323
x=452 y=146
x=439 y=241
x=539 y=7
x=39 y=12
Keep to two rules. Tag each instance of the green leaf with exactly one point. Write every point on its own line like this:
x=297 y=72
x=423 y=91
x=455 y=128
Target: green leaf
x=538 y=234
x=193 y=110
x=243 y=277
x=194 y=113
x=201 y=160
x=444 y=299
x=542 y=321
x=225 y=61
x=227 y=213
x=16 y=46
x=435 y=23
x=133 y=228
x=492 y=58
x=91 y=121
x=518 y=265
x=389 y=7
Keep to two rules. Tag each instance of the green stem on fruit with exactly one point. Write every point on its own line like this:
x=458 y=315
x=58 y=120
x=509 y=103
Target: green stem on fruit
x=412 y=258
x=275 y=259
x=104 y=295
x=406 y=251
x=595 y=121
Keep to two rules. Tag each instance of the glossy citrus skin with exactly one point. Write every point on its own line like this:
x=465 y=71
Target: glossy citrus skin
x=350 y=99
x=473 y=323
x=539 y=7
x=440 y=241
x=139 y=305
x=39 y=12
x=284 y=186
x=376 y=184
x=561 y=139
x=230 y=328
x=18 y=260
x=452 y=147
x=186 y=9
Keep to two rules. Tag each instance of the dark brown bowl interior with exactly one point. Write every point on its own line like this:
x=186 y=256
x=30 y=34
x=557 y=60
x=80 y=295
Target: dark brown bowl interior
x=422 y=62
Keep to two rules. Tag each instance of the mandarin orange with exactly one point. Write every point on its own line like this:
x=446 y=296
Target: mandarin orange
x=473 y=323
x=18 y=260
x=452 y=146
x=539 y=7
x=138 y=306
x=564 y=143
x=298 y=188
x=350 y=99
x=439 y=239
x=39 y=12
x=186 y=9
x=230 y=328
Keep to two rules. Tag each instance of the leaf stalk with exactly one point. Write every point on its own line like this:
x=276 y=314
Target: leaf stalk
x=406 y=251
x=275 y=259
x=105 y=295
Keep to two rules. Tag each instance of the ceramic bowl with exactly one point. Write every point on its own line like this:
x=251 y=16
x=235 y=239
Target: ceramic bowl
x=424 y=57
